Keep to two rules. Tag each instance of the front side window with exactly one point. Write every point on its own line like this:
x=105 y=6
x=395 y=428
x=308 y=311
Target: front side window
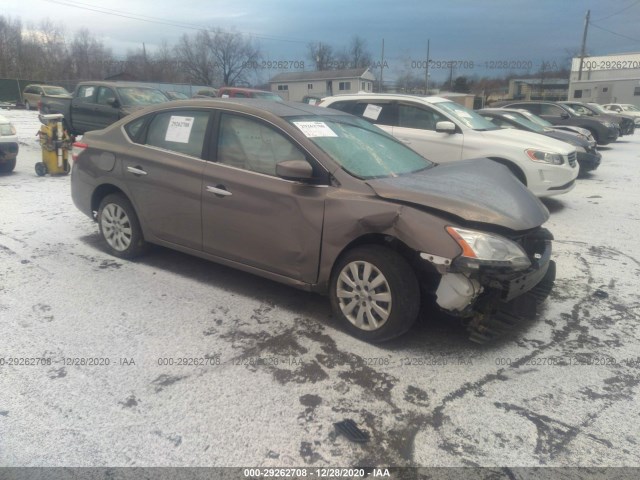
x=106 y=96
x=410 y=116
x=361 y=149
x=180 y=131
x=251 y=145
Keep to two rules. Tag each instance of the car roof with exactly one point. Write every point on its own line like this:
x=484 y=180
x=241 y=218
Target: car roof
x=388 y=96
x=243 y=89
x=279 y=109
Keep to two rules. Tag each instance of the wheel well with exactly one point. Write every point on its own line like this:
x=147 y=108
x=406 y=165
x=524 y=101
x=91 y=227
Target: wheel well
x=594 y=133
x=422 y=269
x=516 y=170
x=101 y=192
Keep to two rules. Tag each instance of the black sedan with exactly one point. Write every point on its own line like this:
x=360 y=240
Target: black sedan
x=588 y=156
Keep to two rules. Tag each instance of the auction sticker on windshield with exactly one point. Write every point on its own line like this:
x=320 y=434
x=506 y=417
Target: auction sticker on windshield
x=179 y=129
x=315 y=129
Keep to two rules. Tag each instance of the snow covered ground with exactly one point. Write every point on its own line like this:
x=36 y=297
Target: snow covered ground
x=273 y=372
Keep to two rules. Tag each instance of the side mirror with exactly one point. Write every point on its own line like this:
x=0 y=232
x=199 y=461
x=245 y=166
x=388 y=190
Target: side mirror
x=114 y=102
x=564 y=115
x=294 y=170
x=446 y=127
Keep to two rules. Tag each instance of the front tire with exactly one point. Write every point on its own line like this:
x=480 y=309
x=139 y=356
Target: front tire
x=6 y=167
x=119 y=227
x=375 y=293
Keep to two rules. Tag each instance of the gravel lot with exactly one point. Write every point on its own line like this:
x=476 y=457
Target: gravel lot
x=277 y=371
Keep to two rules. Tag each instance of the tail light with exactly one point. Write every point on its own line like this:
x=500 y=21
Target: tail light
x=77 y=149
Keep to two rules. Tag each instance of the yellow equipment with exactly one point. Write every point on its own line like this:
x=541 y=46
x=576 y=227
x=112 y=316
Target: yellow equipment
x=55 y=145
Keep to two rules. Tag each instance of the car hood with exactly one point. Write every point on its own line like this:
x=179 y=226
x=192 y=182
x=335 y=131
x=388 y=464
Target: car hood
x=524 y=139
x=571 y=138
x=477 y=190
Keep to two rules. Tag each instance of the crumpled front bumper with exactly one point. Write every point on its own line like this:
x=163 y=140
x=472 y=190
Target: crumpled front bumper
x=509 y=298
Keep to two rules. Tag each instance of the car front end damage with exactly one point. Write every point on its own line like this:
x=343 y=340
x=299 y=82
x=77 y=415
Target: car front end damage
x=496 y=282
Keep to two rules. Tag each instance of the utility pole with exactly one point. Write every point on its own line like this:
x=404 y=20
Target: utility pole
x=381 y=66
x=426 y=72
x=584 y=43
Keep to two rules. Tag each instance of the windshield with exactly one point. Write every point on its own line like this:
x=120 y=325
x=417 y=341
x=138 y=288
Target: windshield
x=55 y=91
x=140 y=96
x=630 y=108
x=468 y=117
x=268 y=96
x=536 y=119
x=360 y=148
x=524 y=121
x=598 y=108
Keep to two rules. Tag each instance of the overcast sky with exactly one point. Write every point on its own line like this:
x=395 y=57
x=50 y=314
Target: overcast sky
x=525 y=31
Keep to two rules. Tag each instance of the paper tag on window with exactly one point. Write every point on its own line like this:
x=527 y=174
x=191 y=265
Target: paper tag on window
x=179 y=129
x=372 y=112
x=88 y=92
x=315 y=129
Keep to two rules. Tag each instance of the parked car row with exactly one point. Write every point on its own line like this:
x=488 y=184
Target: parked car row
x=385 y=203
x=445 y=131
x=604 y=127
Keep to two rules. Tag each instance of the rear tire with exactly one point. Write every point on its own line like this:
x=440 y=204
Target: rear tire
x=375 y=293
x=119 y=227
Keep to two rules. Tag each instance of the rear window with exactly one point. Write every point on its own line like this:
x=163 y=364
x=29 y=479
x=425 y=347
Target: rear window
x=180 y=131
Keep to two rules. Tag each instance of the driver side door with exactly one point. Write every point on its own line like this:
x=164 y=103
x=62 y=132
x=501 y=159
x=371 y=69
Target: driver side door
x=250 y=215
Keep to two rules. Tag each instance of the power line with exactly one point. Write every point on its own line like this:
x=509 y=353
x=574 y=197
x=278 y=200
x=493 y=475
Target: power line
x=624 y=9
x=614 y=33
x=160 y=21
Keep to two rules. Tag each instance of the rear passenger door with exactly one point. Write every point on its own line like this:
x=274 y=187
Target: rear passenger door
x=82 y=108
x=163 y=172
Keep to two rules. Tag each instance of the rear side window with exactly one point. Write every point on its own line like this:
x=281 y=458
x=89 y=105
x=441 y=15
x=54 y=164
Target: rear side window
x=180 y=131
x=379 y=113
x=86 y=93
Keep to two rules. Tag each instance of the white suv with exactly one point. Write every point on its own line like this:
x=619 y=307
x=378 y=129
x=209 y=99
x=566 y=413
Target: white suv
x=445 y=131
x=625 y=109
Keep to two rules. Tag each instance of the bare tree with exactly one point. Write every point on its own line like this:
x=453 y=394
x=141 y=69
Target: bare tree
x=321 y=55
x=359 y=56
x=90 y=58
x=197 y=59
x=235 y=56
x=10 y=46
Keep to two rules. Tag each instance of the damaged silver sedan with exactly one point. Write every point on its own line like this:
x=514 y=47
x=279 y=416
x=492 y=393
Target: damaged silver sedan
x=322 y=201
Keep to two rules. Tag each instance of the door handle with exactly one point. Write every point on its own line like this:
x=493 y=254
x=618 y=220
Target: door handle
x=136 y=170
x=219 y=190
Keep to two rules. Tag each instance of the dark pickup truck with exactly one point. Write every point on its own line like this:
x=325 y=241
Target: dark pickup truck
x=95 y=105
